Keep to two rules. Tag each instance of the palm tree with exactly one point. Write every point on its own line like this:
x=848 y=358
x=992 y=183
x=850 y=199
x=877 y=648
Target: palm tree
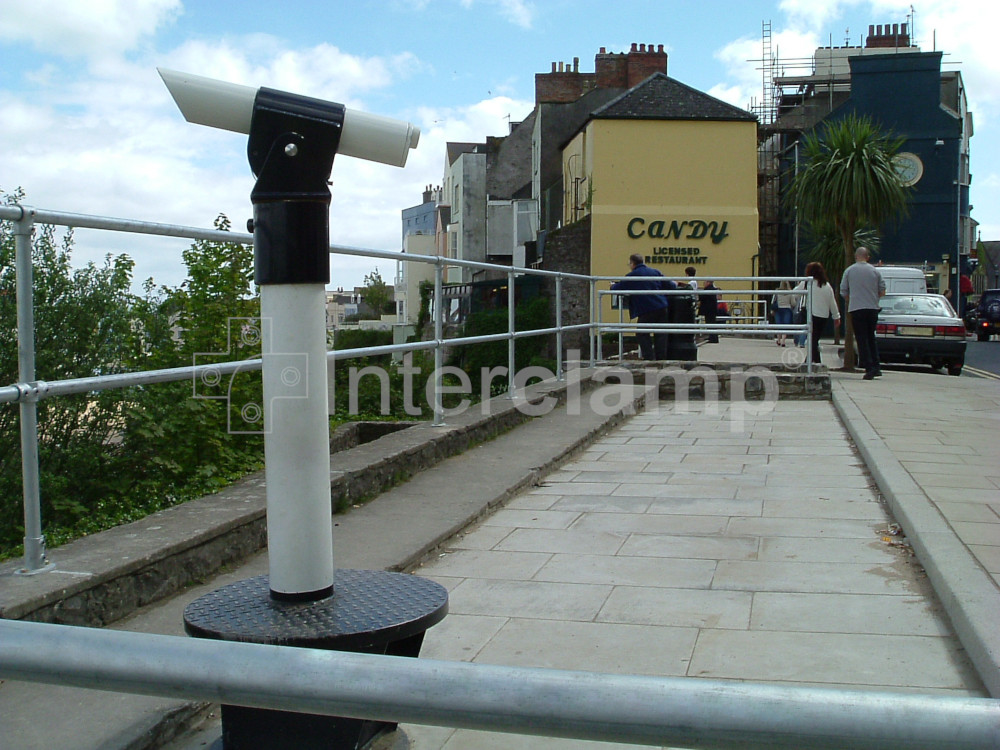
x=828 y=249
x=847 y=179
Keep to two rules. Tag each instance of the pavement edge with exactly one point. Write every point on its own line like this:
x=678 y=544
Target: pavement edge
x=966 y=592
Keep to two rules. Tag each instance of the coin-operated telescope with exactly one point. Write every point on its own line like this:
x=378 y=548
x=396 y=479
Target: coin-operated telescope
x=231 y=106
x=292 y=143
x=303 y=601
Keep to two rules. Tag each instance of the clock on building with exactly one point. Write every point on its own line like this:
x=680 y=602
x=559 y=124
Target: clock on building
x=908 y=167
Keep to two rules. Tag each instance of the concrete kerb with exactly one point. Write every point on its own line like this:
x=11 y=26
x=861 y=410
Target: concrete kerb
x=966 y=592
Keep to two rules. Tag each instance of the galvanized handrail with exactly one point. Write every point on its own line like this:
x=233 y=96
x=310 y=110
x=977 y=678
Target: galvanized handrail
x=680 y=712
x=750 y=329
x=673 y=711
x=29 y=390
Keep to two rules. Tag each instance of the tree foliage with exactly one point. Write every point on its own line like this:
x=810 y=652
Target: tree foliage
x=82 y=329
x=112 y=456
x=847 y=180
x=377 y=295
x=528 y=316
x=406 y=380
x=194 y=434
x=828 y=247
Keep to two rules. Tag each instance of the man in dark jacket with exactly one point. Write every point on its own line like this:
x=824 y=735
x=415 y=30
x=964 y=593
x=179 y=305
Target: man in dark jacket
x=647 y=308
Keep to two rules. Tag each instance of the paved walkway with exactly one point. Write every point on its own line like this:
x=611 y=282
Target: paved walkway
x=682 y=546
x=726 y=541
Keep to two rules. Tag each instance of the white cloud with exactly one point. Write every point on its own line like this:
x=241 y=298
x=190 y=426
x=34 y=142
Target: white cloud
x=518 y=12
x=94 y=29
x=112 y=143
x=734 y=95
x=816 y=16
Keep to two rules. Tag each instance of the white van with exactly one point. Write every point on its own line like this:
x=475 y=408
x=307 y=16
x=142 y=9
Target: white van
x=903 y=280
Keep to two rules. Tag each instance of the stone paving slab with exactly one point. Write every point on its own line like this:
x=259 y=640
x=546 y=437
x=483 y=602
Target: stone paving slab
x=959 y=556
x=606 y=590
x=793 y=587
x=848 y=658
x=831 y=612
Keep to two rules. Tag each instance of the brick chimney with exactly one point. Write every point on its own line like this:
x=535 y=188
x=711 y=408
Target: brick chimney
x=625 y=70
x=888 y=36
x=613 y=70
x=565 y=83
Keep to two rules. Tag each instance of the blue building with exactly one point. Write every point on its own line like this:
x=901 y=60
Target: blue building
x=904 y=91
x=422 y=218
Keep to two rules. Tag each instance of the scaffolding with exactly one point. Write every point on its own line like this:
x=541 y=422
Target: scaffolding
x=768 y=173
x=796 y=95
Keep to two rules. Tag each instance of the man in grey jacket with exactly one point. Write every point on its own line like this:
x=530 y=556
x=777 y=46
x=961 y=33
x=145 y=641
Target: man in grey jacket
x=861 y=286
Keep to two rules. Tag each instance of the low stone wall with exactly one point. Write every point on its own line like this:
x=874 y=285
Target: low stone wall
x=749 y=382
x=104 y=577
x=353 y=434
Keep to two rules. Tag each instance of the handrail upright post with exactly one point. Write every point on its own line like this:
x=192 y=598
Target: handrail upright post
x=810 y=332
x=35 y=560
x=560 y=375
x=621 y=332
x=594 y=331
x=438 y=341
x=511 y=327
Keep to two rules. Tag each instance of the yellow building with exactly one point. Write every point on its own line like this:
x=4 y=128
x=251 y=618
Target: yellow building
x=669 y=172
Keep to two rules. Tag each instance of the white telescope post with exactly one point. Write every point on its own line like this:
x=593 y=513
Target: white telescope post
x=291 y=149
x=292 y=143
x=303 y=601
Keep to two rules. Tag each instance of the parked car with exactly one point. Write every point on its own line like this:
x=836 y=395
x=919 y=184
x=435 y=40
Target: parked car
x=987 y=318
x=920 y=329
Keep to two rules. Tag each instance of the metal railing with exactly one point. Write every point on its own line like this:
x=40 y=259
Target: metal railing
x=681 y=712
x=663 y=711
x=29 y=389
x=744 y=325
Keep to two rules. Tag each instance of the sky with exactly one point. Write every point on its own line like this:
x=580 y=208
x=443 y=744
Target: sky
x=87 y=126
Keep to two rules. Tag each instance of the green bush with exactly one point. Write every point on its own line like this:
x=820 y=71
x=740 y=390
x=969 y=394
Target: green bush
x=113 y=456
x=474 y=358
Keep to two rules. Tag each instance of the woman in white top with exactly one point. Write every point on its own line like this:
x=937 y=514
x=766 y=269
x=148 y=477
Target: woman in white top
x=824 y=305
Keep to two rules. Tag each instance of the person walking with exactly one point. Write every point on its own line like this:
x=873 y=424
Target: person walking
x=708 y=308
x=824 y=305
x=861 y=287
x=784 y=302
x=647 y=308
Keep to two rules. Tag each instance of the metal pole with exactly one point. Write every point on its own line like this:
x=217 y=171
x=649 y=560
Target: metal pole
x=957 y=288
x=621 y=332
x=593 y=305
x=796 y=269
x=296 y=440
x=511 y=327
x=292 y=156
x=438 y=341
x=660 y=711
x=560 y=375
x=810 y=333
x=35 y=560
